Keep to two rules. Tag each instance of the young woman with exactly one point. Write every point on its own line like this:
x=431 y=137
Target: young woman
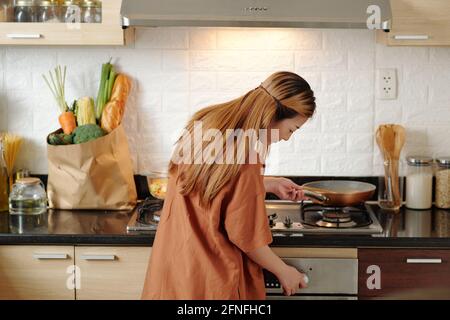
x=212 y=240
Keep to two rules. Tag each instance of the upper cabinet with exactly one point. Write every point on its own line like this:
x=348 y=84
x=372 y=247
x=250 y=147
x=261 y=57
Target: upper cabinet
x=418 y=22
x=57 y=22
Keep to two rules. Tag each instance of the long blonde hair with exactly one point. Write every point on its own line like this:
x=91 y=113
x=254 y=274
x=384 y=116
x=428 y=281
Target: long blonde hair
x=281 y=96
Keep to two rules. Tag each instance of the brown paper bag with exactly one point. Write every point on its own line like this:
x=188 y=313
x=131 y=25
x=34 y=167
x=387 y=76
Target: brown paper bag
x=97 y=174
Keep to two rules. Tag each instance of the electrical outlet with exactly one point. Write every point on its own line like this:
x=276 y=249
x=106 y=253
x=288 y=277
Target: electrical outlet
x=387 y=84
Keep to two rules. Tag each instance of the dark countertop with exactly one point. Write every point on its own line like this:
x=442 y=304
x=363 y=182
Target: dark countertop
x=409 y=228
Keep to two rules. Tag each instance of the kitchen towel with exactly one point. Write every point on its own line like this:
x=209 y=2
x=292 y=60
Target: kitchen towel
x=97 y=174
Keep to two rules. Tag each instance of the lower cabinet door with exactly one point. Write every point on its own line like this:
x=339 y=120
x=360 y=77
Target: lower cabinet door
x=404 y=274
x=110 y=273
x=36 y=272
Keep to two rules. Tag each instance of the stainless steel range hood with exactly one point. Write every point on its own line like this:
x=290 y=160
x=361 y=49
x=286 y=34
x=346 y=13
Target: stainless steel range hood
x=252 y=13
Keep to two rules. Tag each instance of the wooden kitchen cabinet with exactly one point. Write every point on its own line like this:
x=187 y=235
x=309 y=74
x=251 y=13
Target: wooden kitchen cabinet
x=36 y=272
x=418 y=23
x=404 y=273
x=108 y=32
x=111 y=273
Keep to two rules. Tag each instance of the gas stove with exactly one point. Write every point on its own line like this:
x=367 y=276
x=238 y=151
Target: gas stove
x=285 y=218
x=310 y=218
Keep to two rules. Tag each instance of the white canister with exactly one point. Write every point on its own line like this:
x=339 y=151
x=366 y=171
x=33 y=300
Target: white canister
x=419 y=183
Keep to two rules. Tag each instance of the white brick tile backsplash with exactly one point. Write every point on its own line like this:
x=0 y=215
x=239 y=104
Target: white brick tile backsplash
x=175 y=60
x=347 y=122
x=162 y=38
x=360 y=101
x=351 y=40
x=175 y=102
x=388 y=111
x=203 y=81
x=177 y=71
x=360 y=143
x=267 y=61
x=202 y=39
x=313 y=60
x=440 y=56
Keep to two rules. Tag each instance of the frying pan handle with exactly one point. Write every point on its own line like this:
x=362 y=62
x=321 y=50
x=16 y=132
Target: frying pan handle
x=315 y=195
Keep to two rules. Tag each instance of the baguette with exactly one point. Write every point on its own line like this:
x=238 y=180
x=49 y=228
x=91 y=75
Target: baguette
x=114 y=110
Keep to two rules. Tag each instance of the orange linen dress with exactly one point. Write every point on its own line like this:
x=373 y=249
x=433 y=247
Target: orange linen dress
x=200 y=253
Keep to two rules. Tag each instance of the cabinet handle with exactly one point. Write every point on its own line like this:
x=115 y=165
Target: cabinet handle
x=109 y=257
x=50 y=256
x=424 y=261
x=24 y=35
x=412 y=37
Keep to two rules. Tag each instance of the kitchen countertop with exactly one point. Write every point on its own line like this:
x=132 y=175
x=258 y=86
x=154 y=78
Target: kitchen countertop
x=408 y=228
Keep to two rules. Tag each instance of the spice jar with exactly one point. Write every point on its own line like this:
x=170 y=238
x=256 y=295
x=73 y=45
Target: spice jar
x=419 y=183
x=443 y=183
x=91 y=11
x=48 y=11
x=28 y=197
x=24 y=11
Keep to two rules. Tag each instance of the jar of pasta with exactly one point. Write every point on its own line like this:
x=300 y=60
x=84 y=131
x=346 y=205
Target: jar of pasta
x=443 y=183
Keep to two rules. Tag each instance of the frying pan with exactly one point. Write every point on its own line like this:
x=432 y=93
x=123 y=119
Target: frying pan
x=339 y=192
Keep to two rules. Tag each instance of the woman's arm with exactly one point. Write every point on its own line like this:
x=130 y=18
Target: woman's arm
x=290 y=278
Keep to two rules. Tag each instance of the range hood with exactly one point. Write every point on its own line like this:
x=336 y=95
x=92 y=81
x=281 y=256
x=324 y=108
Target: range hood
x=252 y=13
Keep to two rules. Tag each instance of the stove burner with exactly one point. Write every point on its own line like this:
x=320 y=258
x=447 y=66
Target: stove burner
x=149 y=211
x=334 y=217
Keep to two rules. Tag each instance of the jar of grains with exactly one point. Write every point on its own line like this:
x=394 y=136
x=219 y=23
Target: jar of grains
x=419 y=183
x=443 y=183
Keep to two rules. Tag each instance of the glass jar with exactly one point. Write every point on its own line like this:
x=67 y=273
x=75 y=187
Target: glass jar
x=91 y=12
x=71 y=11
x=157 y=184
x=6 y=10
x=419 y=183
x=48 y=11
x=24 y=11
x=28 y=197
x=443 y=183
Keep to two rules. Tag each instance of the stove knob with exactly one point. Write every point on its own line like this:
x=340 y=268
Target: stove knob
x=287 y=222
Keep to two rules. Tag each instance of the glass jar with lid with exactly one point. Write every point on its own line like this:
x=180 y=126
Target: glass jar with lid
x=91 y=11
x=24 y=11
x=419 y=182
x=28 y=197
x=443 y=183
x=47 y=11
x=71 y=11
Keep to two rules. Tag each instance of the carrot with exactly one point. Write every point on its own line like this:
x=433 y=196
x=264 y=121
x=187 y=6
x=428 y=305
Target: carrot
x=67 y=122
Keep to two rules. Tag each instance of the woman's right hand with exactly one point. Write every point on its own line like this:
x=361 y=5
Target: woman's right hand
x=291 y=280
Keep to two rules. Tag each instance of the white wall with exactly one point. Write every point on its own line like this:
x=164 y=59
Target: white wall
x=179 y=70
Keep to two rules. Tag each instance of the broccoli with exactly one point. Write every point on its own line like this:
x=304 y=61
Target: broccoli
x=60 y=139
x=87 y=132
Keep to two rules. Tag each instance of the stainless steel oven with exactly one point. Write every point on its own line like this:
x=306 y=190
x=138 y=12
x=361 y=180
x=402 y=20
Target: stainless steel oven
x=330 y=279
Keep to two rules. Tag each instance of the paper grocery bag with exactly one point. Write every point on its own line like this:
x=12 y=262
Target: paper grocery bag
x=97 y=174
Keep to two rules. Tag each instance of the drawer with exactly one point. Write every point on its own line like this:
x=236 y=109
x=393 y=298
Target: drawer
x=400 y=273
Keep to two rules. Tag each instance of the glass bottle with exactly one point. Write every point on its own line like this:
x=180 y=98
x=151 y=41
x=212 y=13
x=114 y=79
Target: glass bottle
x=4 y=185
x=443 y=183
x=71 y=11
x=419 y=183
x=24 y=11
x=47 y=11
